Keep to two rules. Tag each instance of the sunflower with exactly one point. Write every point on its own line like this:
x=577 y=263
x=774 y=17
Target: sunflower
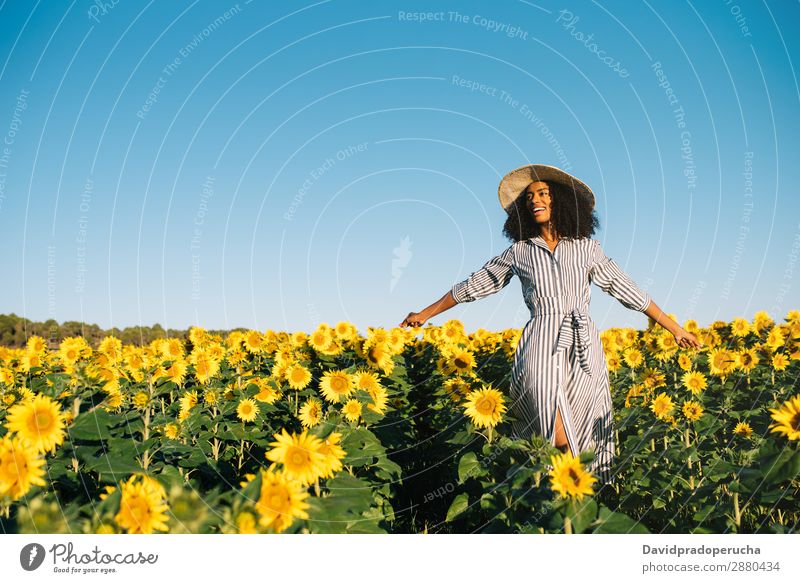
x=740 y=327
x=141 y=400
x=568 y=477
x=721 y=361
x=111 y=347
x=787 y=418
x=173 y=349
x=335 y=385
x=684 y=362
x=652 y=378
x=205 y=366
x=666 y=343
x=115 y=398
x=71 y=349
x=662 y=405
x=694 y=381
x=345 y=330
x=352 y=410
x=281 y=501
x=747 y=359
x=298 y=339
x=461 y=362
x=268 y=392
x=142 y=508
x=6 y=376
x=38 y=422
x=298 y=377
x=776 y=338
x=457 y=388
x=379 y=398
x=633 y=357
x=780 y=361
x=378 y=355
x=176 y=371
x=171 y=430
x=334 y=454
x=247 y=410
x=743 y=428
x=20 y=467
x=310 y=412
x=253 y=341
x=366 y=380
x=30 y=360
x=321 y=339
x=246 y=523
x=188 y=400
x=36 y=345
x=761 y=321
x=299 y=455
x=197 y=335
x=692 y=410
x=210 y=397
x=485 y=407
x=613 y=362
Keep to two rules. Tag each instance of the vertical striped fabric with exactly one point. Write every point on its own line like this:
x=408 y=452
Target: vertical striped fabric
x=559 y=360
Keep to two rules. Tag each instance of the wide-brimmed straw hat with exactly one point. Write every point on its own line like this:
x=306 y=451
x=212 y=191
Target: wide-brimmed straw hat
x=517 y=180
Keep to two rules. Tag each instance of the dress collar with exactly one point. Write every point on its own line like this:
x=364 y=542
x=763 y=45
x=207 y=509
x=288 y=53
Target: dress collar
x=539 y=240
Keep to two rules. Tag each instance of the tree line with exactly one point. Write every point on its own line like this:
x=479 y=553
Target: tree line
x=15 y=331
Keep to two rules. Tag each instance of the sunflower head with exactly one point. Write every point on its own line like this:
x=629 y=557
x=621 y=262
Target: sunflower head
x=485 y=407
x=787 y=419
x=39 y=422
x=568 y=477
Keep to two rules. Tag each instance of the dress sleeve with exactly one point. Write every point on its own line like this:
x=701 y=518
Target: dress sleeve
x=492 y=277
x=611 y=279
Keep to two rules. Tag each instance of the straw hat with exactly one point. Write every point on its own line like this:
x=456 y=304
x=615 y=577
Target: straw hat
x=515 y=181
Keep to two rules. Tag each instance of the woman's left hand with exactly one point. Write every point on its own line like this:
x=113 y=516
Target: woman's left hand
x=686 y=339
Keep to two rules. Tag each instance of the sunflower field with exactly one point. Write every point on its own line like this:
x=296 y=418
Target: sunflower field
x=401 y=430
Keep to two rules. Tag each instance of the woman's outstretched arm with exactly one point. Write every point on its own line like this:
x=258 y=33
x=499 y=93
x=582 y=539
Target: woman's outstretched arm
x=417 y=319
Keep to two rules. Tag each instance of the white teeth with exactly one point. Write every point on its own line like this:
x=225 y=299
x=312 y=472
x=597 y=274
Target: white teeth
x=539 y=208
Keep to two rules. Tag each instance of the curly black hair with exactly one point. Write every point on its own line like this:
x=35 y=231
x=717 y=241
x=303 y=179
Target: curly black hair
x=572 y=216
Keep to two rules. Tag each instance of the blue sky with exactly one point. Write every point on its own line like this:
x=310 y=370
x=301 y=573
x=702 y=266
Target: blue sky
x=277 y=165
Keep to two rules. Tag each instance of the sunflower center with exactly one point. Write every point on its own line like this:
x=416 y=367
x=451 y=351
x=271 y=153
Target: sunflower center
x=795 y=422
x=41 y=421
x=573 y=475
x=298 y=457
x=139 y=510
x=460 y=363
x=18 y=466
x=485 y=406
x=276 y=501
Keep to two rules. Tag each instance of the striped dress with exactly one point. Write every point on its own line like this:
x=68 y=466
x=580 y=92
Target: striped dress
x=559 y=360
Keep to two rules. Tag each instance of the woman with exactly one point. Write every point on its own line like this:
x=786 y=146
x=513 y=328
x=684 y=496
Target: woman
x=559 y=379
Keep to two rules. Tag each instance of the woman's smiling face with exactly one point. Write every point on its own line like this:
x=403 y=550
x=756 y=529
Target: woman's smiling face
x=539 y=201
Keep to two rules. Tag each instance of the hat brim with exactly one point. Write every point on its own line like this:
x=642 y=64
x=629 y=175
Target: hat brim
x=517 y=180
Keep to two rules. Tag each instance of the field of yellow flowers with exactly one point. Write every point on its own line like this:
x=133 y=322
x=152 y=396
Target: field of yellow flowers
x=401 y=430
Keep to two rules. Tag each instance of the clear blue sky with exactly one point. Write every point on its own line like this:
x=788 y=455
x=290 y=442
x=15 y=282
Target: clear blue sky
x=276 y=165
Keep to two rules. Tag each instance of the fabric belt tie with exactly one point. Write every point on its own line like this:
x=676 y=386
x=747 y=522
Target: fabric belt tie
x=575 y=331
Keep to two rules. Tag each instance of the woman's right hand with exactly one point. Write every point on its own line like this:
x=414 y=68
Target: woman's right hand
x=414 y=319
